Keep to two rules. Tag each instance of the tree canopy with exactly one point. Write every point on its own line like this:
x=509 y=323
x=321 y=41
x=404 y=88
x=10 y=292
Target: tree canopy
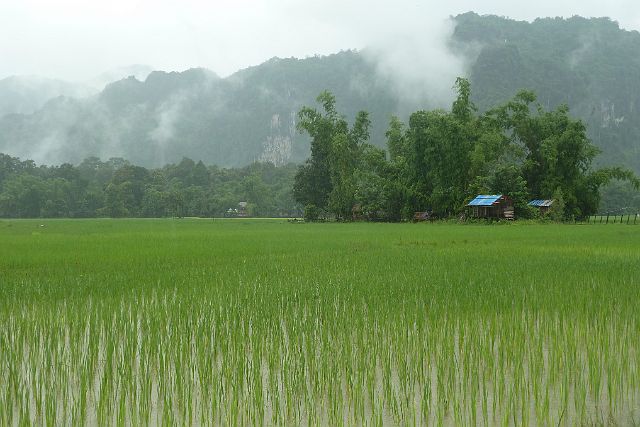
x=116 y=188
x=441 y=159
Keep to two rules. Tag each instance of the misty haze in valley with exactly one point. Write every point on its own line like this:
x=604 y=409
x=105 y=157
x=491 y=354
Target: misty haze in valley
x=156 y=117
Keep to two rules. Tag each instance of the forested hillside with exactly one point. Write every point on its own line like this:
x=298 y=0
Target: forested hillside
x=435 y=163
x=247 y=117
x=590 y=64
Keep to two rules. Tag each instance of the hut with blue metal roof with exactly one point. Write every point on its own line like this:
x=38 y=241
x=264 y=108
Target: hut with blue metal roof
x=496 y=206
x=543 y=205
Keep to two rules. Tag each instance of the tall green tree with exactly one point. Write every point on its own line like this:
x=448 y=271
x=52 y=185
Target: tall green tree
x=557 y=155
x=441 y=144
x=326 y=180
x=312 y=183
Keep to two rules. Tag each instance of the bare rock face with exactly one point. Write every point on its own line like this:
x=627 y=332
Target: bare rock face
x=608 y=114
x=277 y=146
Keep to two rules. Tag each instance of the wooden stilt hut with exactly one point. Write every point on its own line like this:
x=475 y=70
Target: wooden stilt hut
x=496 y=206
x=542 y=205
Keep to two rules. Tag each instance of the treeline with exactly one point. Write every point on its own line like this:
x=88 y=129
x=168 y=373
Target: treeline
x=116 y=188
x=436 y=162
x=441 y=159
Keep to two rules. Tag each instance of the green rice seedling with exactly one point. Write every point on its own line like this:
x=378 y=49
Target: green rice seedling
x=152 y=322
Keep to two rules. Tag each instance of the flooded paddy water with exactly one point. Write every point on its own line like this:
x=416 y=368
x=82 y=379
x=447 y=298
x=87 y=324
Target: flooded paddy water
x=325 y=324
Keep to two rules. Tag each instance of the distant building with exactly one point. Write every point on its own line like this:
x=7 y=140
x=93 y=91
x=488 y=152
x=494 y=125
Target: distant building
x=542 y=205
x=356 y=212
x=422 y=216
x=239 y=212
x=496 y=206
x=242 y=210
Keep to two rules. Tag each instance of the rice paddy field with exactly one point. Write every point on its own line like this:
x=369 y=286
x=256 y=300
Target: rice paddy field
x=265 y=322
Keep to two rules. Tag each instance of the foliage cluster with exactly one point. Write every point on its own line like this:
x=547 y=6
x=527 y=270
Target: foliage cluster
x=590 y=64
x=116 y=188
x=444 y=158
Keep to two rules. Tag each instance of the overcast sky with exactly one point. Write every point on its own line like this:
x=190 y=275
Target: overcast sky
x=79 y=39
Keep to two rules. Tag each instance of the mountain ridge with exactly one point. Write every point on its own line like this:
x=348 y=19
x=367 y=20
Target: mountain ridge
x=589 y=64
